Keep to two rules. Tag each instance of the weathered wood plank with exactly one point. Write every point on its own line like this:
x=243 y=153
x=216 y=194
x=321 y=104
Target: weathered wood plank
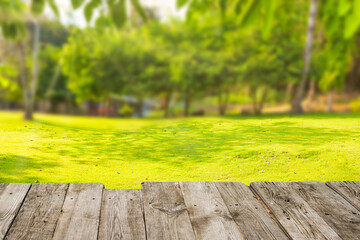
x=249 y=214
x=208 y=213
x=339 y=214
x=80 y=214
x=348 y=190
x=121 y=215
x=12 y=196
x=166 y=216
x=39 y=213
x=293 y=212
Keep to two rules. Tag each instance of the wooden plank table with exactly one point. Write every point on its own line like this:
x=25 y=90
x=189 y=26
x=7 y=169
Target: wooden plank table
x=181 y=210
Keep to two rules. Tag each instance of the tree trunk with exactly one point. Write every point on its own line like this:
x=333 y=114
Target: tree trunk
x=352 y=82
x=187 y=104
x=262 y=101
x=258 y=106
x=108 y=107
x=141 y=108
x=222 y=110
x=35 y=72
x=289 y=90
x=53 y=107
x=297 y=107
x=29 y=93
x=330 y=101
x=312 y=90
x=167 y=104
x=220 y=103
x=253 y=96
x=223 y=101
x=24 y=82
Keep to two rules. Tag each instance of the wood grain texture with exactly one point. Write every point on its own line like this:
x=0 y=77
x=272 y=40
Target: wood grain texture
x=299 y=219
x=12 y=196
x=39 y=213
x=249 y=214
x=166 y=216
x=339 y=214
x=80 y=214
x=208 y=213
x=122 y=216
x=348 y=190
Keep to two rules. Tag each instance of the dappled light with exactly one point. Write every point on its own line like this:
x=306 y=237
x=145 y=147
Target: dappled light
x=128 y=91
x=179 y=119
x=123 y=153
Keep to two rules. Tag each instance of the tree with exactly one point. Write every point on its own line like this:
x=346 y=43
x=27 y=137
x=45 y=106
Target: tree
x=336 y=17
x=340 y=25
x=13 y=28
x=52 y=83
x=297 y=107
x=9 y=88
x=249 y=17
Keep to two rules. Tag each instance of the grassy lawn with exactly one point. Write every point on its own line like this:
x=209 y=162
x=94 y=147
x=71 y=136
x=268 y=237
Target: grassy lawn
x=123 y=153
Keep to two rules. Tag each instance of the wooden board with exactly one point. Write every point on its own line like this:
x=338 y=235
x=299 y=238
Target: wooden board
x=348 y=190
x=249 y=214
x=166 y=216
x=209 y=215
x=293 y=212
x=39 y=213
x=12 y=196
x=80 y=213
x=121 y=215
x=339 y=214
x=199 y=210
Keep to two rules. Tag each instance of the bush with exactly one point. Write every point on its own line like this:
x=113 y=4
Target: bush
x=126 y=111
x=355 y=106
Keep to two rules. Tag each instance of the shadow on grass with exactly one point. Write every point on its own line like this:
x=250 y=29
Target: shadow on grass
x=195 y=141
x=15 y=168
x=214 y=148
x=313 y=116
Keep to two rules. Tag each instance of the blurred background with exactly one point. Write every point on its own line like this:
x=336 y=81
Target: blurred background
x=172 y=58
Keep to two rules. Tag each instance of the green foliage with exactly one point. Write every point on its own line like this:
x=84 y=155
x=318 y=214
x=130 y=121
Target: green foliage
x=137 y=6
x=181 y=3
x=341 y=16
x=11 y=10
x=271 y=7
x=339 y=20
x=126 y=111
x=249 y=12
x=183 y=61
x=355 y=106
x=118 y=13
x=54 y=7
x=37 y=6
x=76 y=3
x=13 y=30
x=340 y=26
x=11 y=16
x=90 y=7
x=50 y=59
x=223 y=47
x=54 y=33
x=246 y=13
x=9 y=89
x=11 y=19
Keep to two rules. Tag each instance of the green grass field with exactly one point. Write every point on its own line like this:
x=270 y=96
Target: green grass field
x=123 y=153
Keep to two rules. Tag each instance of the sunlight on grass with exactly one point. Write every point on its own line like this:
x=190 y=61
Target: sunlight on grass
x=123 y=153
